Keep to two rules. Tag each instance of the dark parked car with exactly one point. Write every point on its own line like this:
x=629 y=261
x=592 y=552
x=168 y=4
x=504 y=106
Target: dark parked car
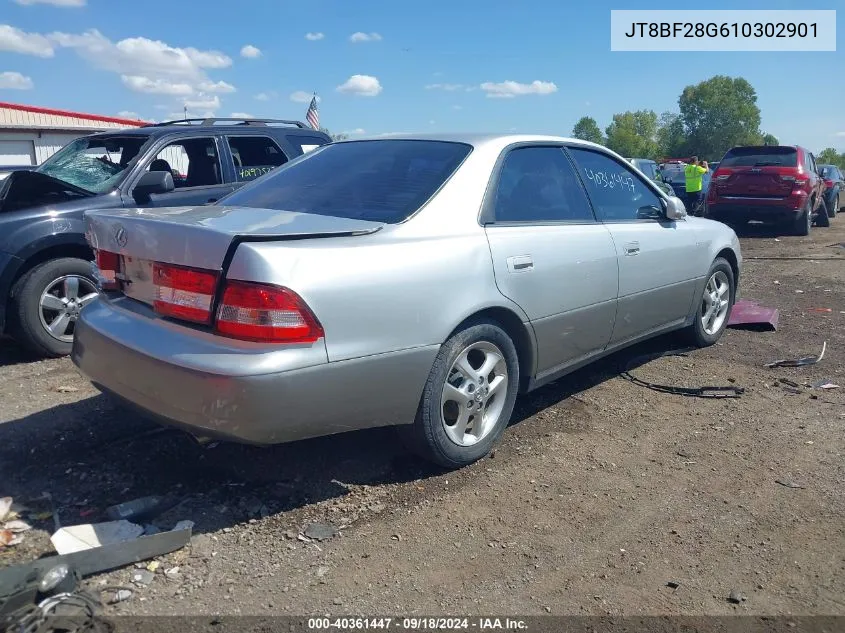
x=772 y=183
x=834 y=193
x=650 y=169
x=46 y=274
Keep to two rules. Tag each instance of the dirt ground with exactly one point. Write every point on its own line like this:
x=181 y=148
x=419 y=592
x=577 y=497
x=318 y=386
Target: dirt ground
x=601 y=493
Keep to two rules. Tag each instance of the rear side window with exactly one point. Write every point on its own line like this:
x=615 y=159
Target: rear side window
x=380 y=180
x=538 y=184
x=255 y=156
x=760 y=157
x=307 y=143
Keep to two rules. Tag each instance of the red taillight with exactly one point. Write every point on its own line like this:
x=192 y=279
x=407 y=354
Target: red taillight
x=828 y=183
x=183 y=293
x=259 y=312
x=108 y=265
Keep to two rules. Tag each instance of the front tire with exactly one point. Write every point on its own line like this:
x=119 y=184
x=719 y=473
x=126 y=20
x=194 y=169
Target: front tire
x=46 y=305
x=468 y=398
x=715 y=305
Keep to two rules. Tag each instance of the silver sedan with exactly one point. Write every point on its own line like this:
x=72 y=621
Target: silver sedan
x=421 y=282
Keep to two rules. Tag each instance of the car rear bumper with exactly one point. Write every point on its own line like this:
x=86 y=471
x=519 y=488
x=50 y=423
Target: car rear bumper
x=249 y=393
x=762 y=209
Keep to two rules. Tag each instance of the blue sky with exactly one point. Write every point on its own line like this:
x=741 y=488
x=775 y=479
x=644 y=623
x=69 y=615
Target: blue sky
x=430 y=67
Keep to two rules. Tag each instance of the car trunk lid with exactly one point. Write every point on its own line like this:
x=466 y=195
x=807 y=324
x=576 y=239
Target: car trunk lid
x=198 y=237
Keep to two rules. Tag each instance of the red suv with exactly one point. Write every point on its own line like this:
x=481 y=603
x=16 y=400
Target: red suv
x=768 y=183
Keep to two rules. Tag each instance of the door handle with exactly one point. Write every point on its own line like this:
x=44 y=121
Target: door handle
x=520 y=263
x=632 y=248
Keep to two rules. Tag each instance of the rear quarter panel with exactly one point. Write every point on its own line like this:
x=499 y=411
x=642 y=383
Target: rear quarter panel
x=380 y=293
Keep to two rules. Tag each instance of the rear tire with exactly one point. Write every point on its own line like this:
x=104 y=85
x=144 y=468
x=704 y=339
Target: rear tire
x=468 y=398
x=710 y=322
x=802 y=223
x=823 y=215
x=52 y=293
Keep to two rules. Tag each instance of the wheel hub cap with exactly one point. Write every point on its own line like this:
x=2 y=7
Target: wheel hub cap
x=61 y=303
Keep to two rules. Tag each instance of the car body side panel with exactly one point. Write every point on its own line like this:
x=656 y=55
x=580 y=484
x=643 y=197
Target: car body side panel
x=571 y=318
x=244 y=392
x=657 y=281
x=383 y=292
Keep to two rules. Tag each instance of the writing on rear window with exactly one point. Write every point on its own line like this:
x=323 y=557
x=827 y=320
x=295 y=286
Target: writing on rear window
x=609 y=180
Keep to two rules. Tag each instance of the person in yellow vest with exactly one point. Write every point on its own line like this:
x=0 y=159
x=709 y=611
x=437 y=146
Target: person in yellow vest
x=694 y=176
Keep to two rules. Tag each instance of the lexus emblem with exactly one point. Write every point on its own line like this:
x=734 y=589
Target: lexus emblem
x=120 y=236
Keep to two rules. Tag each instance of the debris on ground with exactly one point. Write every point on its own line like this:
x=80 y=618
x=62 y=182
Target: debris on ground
x=824 y=384
x=320 y=531
x=749 y=313
x=11 y=527
x=673 y=584
x=736 y=597
x=67 y=389
x=821 y=309
x=799 y=362
x=120 y=595
x=788 y=483
x=77 y=538
x=139 y=509
x=142 y=577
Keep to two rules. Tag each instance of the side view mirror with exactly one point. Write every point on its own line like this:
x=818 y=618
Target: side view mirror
x=675 y=209
x=153 y=182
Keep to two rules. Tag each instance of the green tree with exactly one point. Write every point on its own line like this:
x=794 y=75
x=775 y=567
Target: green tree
x=634 y=134
x=671 y=141
x=588 y=130
x=718 y=114
x=335 y=137
x=830 y=156
x=770 y=139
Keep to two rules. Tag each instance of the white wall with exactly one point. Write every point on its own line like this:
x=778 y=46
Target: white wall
x=44 y=145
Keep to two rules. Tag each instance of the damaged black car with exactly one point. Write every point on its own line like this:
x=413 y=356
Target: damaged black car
x=46 y=275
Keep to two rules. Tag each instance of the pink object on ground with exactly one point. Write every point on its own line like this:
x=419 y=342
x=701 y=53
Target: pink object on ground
x=747 y=313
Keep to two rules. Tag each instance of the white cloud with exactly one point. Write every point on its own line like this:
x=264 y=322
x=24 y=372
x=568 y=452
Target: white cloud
x=361 y=85
x=447 y=87
x=314 y=36
x=364 y=37
x=203 y=102
x=262 y=96
x=149 y=65
x=179 y=116
x=241 y=115
x=11 y=80
x=13 y=40
x=300 y=96
x=55 y=3
x=840 y=134
x=250 y=52
x=358 y=131
x=510 y=89
x=219 y=86
x=138 y=83
x=127 y=114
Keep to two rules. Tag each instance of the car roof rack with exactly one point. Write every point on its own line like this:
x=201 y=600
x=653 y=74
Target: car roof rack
x=231 y=121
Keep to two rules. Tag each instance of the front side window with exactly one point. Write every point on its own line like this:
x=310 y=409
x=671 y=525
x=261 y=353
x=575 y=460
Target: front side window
x=538 y=184
x=95 y=163
x=255 y=156
x=617 y=193
x=193 y=162
x=380 y=180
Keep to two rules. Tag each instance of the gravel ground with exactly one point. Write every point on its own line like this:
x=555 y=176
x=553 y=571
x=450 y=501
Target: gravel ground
x=601 y=493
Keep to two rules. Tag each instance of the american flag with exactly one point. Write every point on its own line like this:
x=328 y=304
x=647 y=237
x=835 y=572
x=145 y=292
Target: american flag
x=312 y=116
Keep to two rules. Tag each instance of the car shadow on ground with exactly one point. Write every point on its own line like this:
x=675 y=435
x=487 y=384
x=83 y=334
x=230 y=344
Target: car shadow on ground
x=12 y=353
x=92 y=454
x=759 y=230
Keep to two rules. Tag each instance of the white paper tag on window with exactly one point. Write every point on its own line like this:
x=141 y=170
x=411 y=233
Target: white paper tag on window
x=308 y=148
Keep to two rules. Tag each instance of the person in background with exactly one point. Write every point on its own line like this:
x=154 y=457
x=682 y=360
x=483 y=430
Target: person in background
x=694 y=176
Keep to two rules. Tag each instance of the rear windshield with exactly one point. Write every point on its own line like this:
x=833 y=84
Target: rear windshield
x=379 y=180
x=760 y=157
x=829 y=171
